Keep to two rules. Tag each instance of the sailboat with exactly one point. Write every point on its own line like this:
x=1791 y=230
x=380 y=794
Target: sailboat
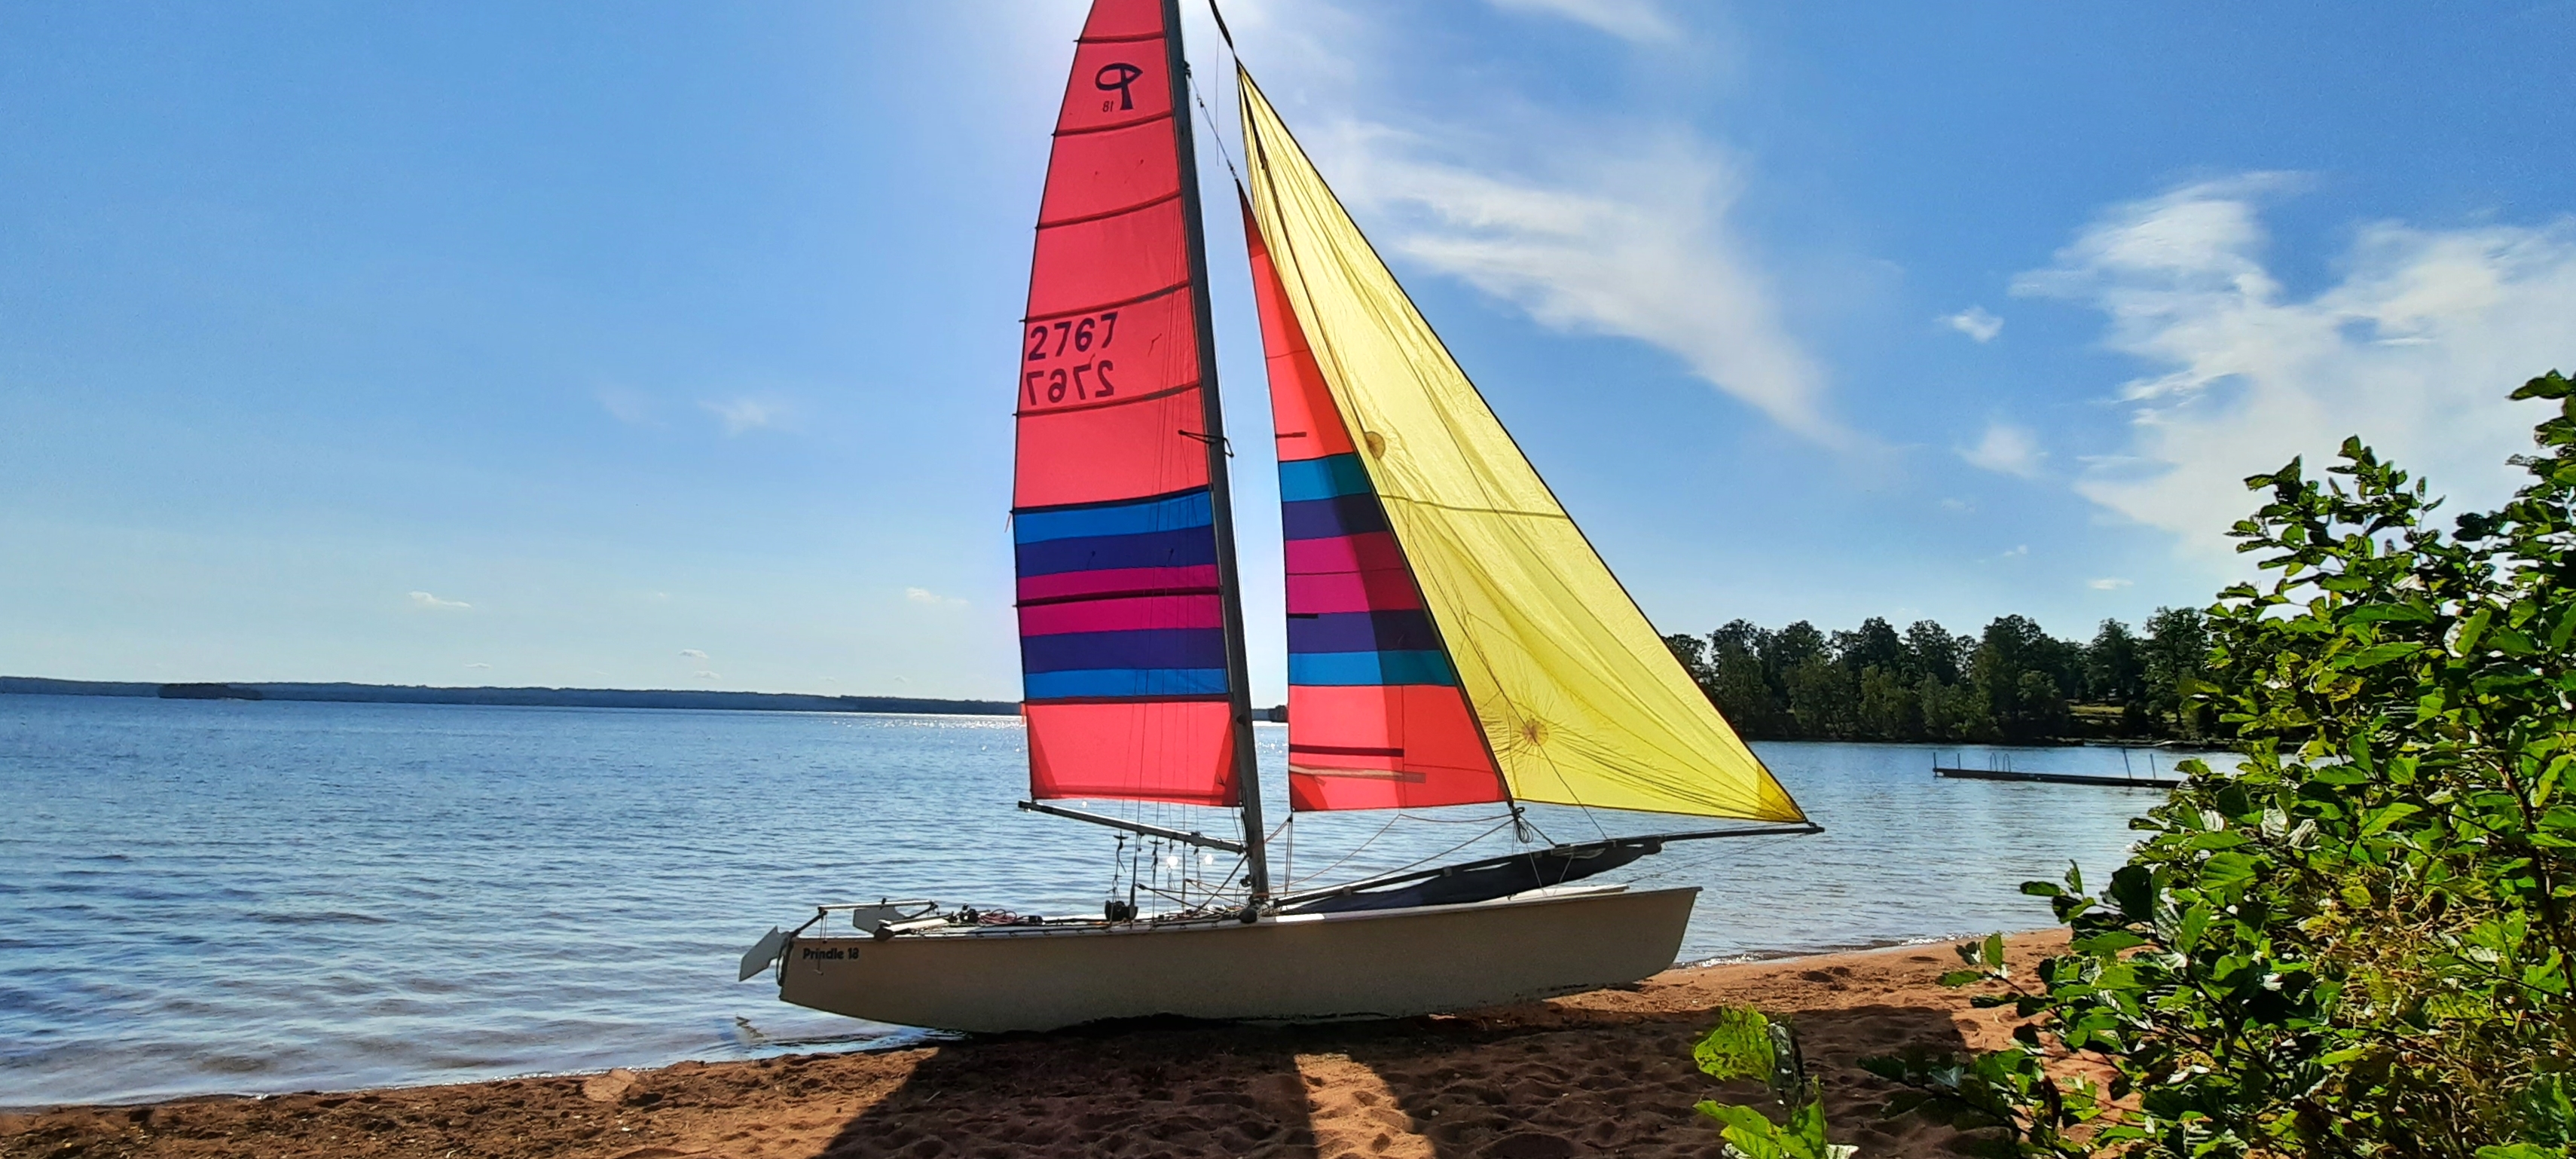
x=1453 y=639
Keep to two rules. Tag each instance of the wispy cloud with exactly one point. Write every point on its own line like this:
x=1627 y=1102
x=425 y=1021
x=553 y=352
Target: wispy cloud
x=478 y=665
x=693 y=654
x=1630 y=239
x=626 y=406
x=1638 y=20
x=927 y=596
x=429 y=603
x=2413 y=348
x=1975 y=322
x=709 y=676
x=741 y=415
x=2107 y=584
x=2018 y=551
x=2006 y=449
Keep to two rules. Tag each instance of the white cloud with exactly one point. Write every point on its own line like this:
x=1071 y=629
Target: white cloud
x=693 y=654
x=427 y=602
x=1629 y=238
x=478 y=665
x=746 y=414
x=927 y=596
x=2006 y=449
x=1960 y=506
x=626 y=406
x=2018 y=551
x=709 y=676
x=1638 y=20
x=2413 y=347
x=2107 y=584
x=1976 y=323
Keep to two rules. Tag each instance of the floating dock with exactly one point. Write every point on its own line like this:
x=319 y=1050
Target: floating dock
x=2057 y=778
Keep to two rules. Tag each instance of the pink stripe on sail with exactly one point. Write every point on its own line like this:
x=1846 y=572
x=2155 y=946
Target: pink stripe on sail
x=1121 y=579
x=1122 y=615
x=1369 y=551
x=1363 y=591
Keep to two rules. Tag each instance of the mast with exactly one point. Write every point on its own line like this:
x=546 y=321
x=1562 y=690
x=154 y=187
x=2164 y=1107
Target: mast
x=1247 y=773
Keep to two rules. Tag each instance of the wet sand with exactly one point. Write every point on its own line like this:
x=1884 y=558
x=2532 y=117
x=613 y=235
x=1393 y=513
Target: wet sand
x=1607 y=1073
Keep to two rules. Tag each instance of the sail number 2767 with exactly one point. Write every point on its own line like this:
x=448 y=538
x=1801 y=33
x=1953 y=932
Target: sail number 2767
x=1071 y=338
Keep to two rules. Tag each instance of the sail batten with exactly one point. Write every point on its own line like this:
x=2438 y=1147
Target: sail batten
x=1569 y=688
x=1127 y=679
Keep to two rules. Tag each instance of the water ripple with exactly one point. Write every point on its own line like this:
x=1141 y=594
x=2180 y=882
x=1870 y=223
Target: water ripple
x=262 y=897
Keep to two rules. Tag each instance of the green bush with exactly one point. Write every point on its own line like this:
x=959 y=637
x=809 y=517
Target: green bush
x=2358 y=942
x=1746 y=1045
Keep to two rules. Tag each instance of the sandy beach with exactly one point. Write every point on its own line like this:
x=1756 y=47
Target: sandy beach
x=1606 y=1073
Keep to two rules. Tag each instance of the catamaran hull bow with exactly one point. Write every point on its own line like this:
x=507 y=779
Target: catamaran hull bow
x=1384 y=963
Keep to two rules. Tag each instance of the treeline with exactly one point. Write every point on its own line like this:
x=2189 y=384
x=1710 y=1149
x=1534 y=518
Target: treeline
x=684 y=698
x=2011 y=684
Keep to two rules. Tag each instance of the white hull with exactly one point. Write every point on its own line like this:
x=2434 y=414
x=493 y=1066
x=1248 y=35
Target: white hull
x=1381 y=963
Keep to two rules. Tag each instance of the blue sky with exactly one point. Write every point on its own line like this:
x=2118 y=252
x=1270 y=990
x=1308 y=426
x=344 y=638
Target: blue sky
x=664 y=345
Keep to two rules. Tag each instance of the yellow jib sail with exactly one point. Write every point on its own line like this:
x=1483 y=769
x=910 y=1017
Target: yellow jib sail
x=1580 y=699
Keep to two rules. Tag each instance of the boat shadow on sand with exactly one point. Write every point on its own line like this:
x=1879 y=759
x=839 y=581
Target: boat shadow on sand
x=1540 y=1081
x=1603 y=1073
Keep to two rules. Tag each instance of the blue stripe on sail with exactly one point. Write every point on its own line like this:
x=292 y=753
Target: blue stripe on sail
x=1326 y=518
x=1322 y=478
x=1144 y=648
x=1192 y=509
x=1406 y=630
x=1098 y=682
x=1182 y=547
x=1351 y=668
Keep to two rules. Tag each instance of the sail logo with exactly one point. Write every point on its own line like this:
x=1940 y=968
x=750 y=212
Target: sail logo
x=1115 y=77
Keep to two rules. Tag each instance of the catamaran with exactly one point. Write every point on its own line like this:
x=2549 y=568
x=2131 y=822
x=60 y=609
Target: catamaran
x=1453 y=639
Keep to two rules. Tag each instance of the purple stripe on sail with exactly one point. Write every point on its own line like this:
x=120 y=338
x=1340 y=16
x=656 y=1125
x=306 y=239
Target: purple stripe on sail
x=1182 y=547
x=1158 y=648
x=1407 y=630
x=1337 y=516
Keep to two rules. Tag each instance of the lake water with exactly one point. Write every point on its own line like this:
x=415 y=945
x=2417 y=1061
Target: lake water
x=201 y=897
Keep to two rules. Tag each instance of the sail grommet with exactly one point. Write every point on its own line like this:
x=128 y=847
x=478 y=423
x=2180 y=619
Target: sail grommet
x=1376 y=443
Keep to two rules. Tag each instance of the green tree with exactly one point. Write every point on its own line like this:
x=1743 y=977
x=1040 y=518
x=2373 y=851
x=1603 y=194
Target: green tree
x=1932 y=650
x=2177 y=656
x=1889 y=708
x=1953 y=712
x=1744 y=692
x=1872 y=645
x=1693 y=653
x=2016 y=670
x=2115 y=668
x=1821 y=697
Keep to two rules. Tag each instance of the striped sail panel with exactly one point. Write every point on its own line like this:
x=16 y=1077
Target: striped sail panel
x=1575 y=694
x=1122 y=640
x=1375 y=716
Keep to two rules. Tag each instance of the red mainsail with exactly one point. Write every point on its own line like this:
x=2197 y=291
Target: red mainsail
x=1376 y=719
x=1123 y=646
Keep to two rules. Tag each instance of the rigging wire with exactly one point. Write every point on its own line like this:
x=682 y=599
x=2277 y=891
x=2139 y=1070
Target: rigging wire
x=1498 y=827
x=1216 y=132
x=1363 y=846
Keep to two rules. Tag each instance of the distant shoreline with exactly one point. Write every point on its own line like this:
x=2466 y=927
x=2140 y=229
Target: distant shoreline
x=676 y=698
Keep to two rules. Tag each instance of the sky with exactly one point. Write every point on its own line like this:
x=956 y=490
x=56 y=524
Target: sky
x=671 y=345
